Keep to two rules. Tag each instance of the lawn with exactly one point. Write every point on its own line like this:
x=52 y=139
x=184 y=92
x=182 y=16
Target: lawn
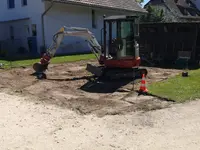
x=59 y=59
x=179 y=89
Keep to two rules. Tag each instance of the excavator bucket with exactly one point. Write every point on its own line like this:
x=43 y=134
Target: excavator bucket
x=39 y=67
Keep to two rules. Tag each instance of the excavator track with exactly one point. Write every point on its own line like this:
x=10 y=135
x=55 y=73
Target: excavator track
x=119 y=73
x=100 y=71
x=116 y=73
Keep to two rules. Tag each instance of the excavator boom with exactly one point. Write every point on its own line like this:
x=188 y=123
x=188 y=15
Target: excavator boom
x=58 y=38
x=77 y=32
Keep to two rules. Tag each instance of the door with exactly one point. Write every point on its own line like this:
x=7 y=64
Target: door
x=126 y=34
x=32 y=44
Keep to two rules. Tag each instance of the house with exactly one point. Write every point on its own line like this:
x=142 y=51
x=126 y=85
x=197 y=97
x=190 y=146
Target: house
x=31 y=24
x=177 y=10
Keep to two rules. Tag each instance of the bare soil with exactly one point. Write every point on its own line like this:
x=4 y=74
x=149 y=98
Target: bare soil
x=69 y=85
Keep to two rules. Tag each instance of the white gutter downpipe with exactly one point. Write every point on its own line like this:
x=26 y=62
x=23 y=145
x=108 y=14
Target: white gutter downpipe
x=42 y=18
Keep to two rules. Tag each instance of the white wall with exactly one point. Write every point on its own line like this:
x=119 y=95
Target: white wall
x=76 y=16
x=33 y=10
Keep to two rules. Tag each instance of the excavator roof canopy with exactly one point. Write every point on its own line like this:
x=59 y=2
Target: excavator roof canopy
x=120 y=17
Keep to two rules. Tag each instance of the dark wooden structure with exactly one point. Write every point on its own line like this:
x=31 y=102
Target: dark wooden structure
x=164 y=41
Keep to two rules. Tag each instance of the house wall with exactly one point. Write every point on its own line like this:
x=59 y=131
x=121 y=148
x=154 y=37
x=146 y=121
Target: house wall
x=76 y=16
x=20 y=11
x=15 y=17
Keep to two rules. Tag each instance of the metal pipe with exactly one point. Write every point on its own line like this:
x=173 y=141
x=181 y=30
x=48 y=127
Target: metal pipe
x=104 y=35
x=42 y=18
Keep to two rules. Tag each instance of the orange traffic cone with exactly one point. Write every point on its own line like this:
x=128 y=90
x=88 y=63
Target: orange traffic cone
x=143 y=88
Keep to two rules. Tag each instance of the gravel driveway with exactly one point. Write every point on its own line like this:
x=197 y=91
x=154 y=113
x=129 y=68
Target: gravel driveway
x=27 y=125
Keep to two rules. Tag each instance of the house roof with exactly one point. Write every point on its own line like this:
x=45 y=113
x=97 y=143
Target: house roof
x=125 y=5
x=184 y=9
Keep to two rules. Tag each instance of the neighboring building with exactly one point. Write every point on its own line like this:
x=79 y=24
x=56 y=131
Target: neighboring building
x=178 y=34
x=38 y=20
x=197 y=3
x=177 y=10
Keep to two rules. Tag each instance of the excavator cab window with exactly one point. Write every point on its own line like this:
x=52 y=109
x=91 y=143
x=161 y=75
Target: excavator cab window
x=120 y=33
x=126 y=35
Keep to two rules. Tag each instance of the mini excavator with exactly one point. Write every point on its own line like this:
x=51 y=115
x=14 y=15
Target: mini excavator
x=118 y=56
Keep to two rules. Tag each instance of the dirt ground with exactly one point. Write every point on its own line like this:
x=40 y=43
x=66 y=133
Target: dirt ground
x=67 y=112
x=68 y=86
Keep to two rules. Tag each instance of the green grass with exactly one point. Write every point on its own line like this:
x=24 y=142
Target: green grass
x=55 y=60
x=178 y=88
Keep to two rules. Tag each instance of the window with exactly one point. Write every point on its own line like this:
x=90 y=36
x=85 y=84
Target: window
x=93 y=19
x=11 y=3
x=24 y=2
x=192 y=13
x=34 y=30
x=198 y=12
x=183 y=10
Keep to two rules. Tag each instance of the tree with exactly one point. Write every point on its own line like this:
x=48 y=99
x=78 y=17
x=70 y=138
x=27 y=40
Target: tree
x=154 y=15
x=140 y=2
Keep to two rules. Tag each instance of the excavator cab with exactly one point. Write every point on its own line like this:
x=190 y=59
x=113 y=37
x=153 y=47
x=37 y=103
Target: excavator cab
x=120 y=49
x=120 y=34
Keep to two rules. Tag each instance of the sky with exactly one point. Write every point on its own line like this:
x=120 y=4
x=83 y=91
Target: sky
x=145 y=1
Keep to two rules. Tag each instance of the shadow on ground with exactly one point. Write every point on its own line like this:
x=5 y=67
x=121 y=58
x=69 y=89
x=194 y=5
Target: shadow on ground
x=95 y=85
x=71 y=79
x=104 y=86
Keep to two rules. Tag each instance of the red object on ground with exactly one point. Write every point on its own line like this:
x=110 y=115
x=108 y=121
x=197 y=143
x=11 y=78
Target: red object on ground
x=143 y=88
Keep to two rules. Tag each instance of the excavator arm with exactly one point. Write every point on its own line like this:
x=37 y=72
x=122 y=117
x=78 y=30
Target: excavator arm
x=58 y=38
